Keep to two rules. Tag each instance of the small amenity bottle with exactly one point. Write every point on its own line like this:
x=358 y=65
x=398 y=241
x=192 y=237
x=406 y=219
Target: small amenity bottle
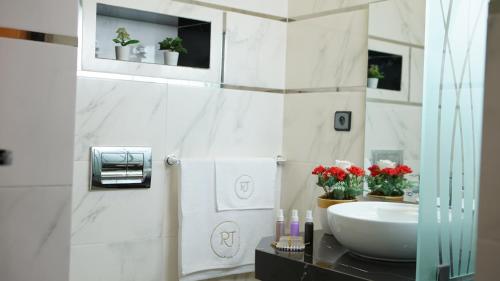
x=294 y=223
x=280 y=225
x=308 y=229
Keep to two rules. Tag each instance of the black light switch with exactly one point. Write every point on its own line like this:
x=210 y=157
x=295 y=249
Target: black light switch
x=343 y=121
x=5 y=157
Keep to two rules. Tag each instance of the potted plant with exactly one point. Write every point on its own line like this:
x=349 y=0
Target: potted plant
x=341 y=183
x=387 y=181
x=374 y=75
x=172 y=47
x=122 y=50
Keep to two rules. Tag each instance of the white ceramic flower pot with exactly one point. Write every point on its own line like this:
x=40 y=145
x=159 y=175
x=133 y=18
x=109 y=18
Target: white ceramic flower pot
x=372 y=83
x=122 y=52
x=171 y=58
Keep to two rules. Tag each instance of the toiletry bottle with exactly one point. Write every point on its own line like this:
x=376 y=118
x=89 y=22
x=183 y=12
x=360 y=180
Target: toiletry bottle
x=280 y=225
x=308 y=229
x=294 y=223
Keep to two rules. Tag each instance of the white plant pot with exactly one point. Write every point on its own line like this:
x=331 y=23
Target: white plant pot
x=372 y=83
x=171 y=58
x=122 y=52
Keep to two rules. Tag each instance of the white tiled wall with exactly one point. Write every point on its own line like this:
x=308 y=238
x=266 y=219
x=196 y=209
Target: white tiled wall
x=37 y=99
x=48 y=16
x=328 y=51
x=275 y=7
x=133 y=233
x=304 y=8
x=400 y=20
x=255 y=51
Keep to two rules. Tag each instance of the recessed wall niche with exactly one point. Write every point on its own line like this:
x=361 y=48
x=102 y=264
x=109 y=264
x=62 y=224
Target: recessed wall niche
x=391 y=66
x=150 y=28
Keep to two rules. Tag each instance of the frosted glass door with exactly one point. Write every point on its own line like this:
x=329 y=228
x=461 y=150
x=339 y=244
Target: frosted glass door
x=451 y=137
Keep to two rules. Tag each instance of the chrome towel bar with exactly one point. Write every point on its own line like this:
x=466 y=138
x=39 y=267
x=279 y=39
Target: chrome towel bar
x=172 y=160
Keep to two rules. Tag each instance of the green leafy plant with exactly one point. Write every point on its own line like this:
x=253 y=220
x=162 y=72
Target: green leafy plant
x=388 y=181
x=374 y=72
x=173 y=45
x=123 y=38
x=340 y=183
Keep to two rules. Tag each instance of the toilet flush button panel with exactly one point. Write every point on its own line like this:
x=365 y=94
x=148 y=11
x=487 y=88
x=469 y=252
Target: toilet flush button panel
x=120 y=167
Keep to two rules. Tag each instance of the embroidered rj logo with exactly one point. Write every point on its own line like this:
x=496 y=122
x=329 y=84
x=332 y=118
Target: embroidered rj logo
x=244 y=187
x=225 y=239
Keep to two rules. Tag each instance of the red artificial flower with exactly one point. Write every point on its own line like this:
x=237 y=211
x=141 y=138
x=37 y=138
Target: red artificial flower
x=374 y=170
x=337 y=172
x=357 y=171
x=403 y=170
x=389 y=171
x=318 y=170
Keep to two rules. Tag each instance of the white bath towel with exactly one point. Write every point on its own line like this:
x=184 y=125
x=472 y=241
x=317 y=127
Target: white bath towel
x=245 y=184
x=211 y=243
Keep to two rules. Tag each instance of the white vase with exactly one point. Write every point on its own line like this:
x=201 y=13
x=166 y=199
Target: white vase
x=372 y=83
x=122 y=52
x=171 y=58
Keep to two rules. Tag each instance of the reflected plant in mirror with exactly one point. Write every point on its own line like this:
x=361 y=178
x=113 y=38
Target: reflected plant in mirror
x=387 y=180
x=124 y=41
x=172 y=47
x=374 y=75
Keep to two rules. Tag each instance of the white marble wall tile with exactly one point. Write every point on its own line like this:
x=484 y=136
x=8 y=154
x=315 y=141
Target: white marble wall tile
x=37 y=99
x=394 y=127
x=208 y=122
x=328 y=51
x=309 y=133
x=275 y=7
x=34 y=233
x=90 y=62
x=120 y=215
x=299 y=190
x=400 y=20
x=119 y=113
x=49 y=16
x=301 y=7
x=142 y=260
x=255 y=51
x=416 y=75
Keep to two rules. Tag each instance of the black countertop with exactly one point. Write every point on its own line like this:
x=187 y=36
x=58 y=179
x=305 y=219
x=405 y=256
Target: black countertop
x=329 y=261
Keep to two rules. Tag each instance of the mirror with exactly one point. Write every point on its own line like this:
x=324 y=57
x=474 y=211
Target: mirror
x=394 y=102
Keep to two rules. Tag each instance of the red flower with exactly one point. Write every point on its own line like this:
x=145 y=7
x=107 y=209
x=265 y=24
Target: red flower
x=318 y=170
x=357 y=171
x=389 y=171
x=403 y=170
x=337 y=172
x=374 y=170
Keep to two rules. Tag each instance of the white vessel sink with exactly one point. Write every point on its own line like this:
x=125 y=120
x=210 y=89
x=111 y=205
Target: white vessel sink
x=379 y=230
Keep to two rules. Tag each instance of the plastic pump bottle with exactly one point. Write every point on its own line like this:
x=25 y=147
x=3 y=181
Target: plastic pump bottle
x=280 y=225
x=294 y=223
x=309 y=229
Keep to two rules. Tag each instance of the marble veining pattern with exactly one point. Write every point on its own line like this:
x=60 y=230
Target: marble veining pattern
x=123 y=215
x=394 y=127
x=400 y=20
x=301 y=7
x=329 y=51
x=223 y=123
x=119 y=113
x=255 y=52
x=34 y=233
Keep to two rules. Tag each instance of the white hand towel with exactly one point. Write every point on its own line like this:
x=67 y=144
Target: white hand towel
x=245 y=184
x=214 y=244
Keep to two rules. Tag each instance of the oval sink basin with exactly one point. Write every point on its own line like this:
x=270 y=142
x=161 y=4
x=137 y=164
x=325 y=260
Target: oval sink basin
x=378 y=230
